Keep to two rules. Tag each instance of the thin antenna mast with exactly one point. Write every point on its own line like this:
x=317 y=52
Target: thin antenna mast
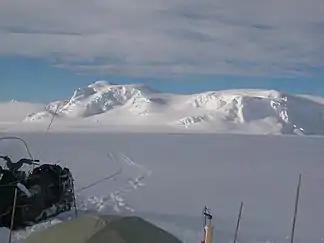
x=49 y=125
x=13 y=214
x=53 y=117
x=296 y=210
x=238 y=222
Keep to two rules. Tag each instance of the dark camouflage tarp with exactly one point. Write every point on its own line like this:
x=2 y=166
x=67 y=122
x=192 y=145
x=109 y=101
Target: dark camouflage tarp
x=103 y=229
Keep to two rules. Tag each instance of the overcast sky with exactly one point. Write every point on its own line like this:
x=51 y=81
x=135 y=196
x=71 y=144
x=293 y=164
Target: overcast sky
x=168 y=37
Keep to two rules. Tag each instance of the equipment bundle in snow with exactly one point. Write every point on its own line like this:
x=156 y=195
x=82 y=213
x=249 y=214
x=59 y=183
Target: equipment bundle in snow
x=43 y=192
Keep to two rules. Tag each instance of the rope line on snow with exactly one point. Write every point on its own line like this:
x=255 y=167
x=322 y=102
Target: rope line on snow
x=118 y=172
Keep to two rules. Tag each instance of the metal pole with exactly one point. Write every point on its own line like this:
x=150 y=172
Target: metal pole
x=295 y=211
x=13 y=214
x=238 y=222
x=74 y=201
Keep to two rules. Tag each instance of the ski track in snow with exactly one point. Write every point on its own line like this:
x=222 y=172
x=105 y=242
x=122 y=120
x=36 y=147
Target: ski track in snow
x=114 y=202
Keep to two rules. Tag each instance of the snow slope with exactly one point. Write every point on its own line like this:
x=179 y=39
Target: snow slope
x=105 y=106
x=169 y=178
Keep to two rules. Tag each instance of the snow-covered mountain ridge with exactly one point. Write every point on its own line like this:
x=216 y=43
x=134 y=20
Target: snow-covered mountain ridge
x=244 y=111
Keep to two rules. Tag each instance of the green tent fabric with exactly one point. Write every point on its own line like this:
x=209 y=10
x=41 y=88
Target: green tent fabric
x=103 y=229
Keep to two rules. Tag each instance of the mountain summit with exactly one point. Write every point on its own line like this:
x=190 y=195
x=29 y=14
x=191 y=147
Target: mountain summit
x=229 y=111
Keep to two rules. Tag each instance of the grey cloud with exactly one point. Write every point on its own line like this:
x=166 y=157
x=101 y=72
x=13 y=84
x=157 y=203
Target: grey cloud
x=193 y=35
x=20 y=30
x=168 y=37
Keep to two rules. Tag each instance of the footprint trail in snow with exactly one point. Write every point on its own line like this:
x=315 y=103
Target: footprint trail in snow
x=115 y=201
